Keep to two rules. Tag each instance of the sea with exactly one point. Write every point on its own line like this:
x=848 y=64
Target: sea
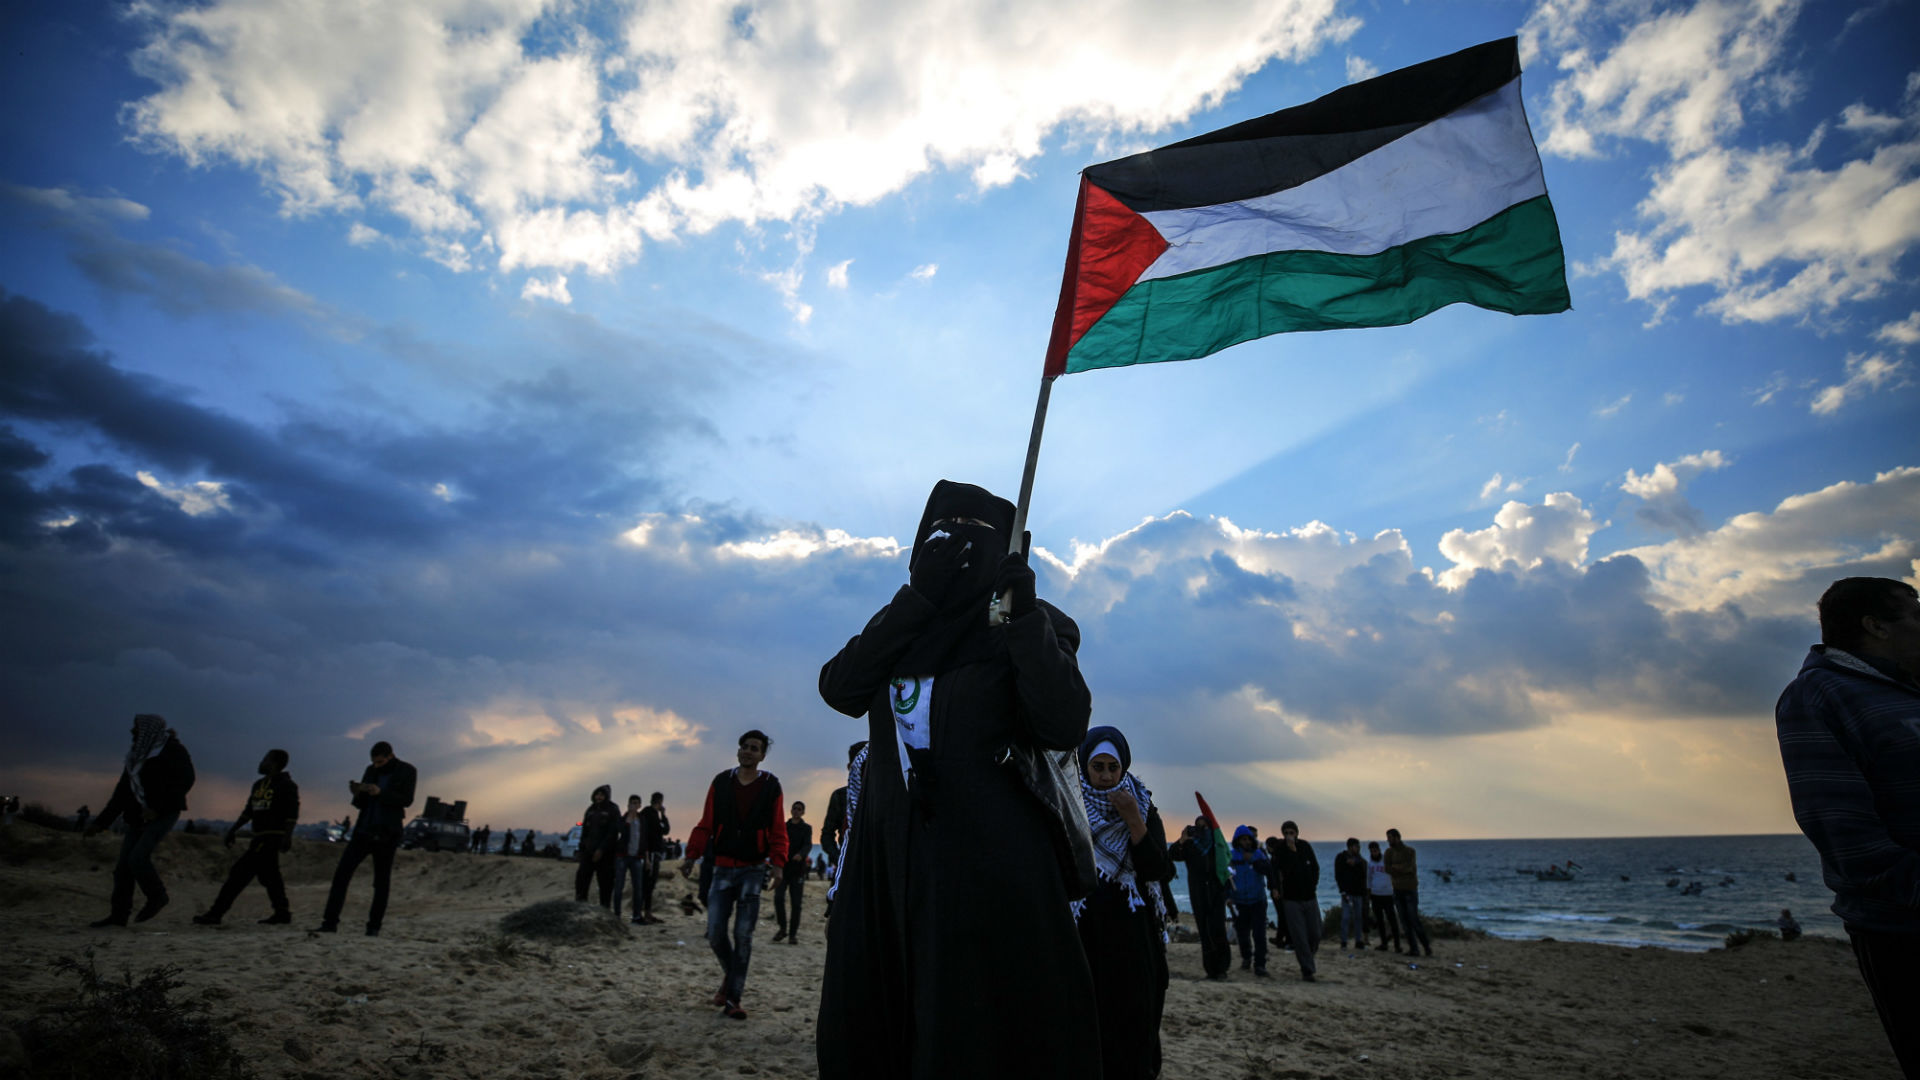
x=1630 y=891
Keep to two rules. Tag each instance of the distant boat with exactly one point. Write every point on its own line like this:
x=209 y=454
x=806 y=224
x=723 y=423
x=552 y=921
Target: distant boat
x=1556 y=872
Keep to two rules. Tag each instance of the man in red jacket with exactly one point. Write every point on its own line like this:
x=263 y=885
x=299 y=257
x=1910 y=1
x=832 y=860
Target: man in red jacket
x=742 y=822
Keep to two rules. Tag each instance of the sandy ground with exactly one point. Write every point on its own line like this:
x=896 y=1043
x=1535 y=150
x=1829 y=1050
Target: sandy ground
x=417 y=1002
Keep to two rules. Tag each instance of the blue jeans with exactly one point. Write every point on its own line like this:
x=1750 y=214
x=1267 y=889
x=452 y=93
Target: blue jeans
x=629 y=868
x=1407 y=902
x=135 y=864
x=736 y=894
x=1250 y=921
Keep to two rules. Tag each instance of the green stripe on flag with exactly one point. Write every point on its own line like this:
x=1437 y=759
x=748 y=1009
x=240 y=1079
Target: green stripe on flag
x=1511 y=262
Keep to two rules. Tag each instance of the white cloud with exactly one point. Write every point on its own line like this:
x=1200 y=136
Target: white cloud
x=1521 y=536
x=1904 y=332
x=1612 y=408
x=1865 y=374
x=1360 y=68
x=360 y=234
x=924 y=272
x=1779 y=561
x=551 y=288
x=197 y=499
x=533 y=122
x=1660 y=490
x=837 y=274
x=1499 y=484
x=1567 y=465
x=1767 y=230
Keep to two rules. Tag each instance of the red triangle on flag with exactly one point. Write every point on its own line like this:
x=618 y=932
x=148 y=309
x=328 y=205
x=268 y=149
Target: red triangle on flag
x=1110 y=247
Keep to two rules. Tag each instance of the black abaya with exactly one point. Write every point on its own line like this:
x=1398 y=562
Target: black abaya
x=1128 y=958
x=952 y=951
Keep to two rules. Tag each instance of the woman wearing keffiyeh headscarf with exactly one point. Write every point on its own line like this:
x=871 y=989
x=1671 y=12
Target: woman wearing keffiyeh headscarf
x=1122 y=922
x=951 y=951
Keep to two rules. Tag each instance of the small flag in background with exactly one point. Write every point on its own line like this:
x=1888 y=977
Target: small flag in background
x=1377 y=204
x=1222 y=857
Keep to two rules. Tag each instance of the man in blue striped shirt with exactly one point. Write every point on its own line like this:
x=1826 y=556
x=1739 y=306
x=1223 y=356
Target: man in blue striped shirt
x=1849 y=728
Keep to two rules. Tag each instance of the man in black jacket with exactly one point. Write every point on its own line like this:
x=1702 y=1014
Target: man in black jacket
x=653 y=843
x=794 y=881
x=1299 y=874
x=272 y=809
x=151 y=795
x=382 y=795
x=599 y=846
x=1205 y=895
x=1350 y=877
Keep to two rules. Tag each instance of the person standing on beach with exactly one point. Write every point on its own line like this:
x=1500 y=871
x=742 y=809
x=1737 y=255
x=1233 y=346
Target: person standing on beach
x=506 y=843
x=741 y=825
x=833 y=827
x=1405 y=871
x=1206 y=896
x=653 y=838
x=599 y=846
x=1251 y=871
x=1123 y=922
x=1849 y=732
x=382 y=796
x=794 y=881
x=1380 y=895
x=151 y=795
x=631 y=861
x=952 y=951
x=273 y=808
x=1350 y=877
x=1297 y=872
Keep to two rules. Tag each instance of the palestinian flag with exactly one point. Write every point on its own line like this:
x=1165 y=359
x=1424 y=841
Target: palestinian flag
x=1375 y=205
x=1222 y=852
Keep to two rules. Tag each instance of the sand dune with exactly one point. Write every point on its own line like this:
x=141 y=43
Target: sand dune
x=428 y=999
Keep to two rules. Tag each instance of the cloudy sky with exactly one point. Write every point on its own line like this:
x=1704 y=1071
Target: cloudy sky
x=548 y=387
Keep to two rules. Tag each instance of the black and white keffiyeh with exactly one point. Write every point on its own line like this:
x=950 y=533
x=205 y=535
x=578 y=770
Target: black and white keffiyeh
x=149 y=737
x=854 y=772
x=1113 y=845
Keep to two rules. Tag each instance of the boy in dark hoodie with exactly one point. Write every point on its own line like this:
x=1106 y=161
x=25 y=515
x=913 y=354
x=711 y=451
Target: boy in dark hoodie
x=151 y=795
x=1251 y=870
x=272 y=809
x=599 y=846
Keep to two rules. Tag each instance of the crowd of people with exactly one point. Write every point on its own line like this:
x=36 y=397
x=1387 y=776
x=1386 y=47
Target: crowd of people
x=976 y=716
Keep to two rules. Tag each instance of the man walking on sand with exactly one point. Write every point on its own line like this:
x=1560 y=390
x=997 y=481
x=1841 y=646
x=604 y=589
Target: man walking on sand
x=382 y=795
x=1406 y=891
x=799 y=843
x=1299 y=880
x=1849 y=731
x=653 y=836
x=273 y=807
x=1350 y=877
x=151 y=795
x=741 y=824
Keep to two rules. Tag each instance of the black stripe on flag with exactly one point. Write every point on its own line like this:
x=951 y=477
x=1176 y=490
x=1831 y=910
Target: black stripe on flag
x=1287 y=148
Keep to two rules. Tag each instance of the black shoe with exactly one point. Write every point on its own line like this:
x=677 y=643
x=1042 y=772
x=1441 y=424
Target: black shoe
x=325 y=928
x=1362 y=946
x=779 y=937
x=151 y=907
x=1429 y=950
x=1260 y=973
x=278 y=918
x=1306 y=976
x=1222 y=977
x=792 y=940
x=373 y=931
x=1246 y=965
x=111 y=920
x=209 y=919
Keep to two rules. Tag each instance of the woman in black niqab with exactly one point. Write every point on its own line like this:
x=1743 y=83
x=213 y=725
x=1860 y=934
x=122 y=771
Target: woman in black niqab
x=952 y=951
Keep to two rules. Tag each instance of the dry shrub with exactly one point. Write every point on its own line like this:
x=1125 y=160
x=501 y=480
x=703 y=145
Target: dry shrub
x=565 y=922
x=131 y=1029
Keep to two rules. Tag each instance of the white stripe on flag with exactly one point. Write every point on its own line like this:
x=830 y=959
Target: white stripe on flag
x=1443 y=177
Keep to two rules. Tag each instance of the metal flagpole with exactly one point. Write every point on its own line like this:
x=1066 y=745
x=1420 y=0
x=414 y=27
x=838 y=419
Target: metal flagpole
x=1033 y=460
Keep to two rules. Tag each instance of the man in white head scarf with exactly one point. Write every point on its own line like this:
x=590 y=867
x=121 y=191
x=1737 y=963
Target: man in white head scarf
x=151 y=795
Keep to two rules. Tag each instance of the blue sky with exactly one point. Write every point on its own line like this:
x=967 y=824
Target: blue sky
x=547 y=387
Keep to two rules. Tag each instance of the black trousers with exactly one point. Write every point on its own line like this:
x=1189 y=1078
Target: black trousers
x=792 y=885
x=1385 y=920
x=380 y=844
x=135 y=865
x=1210 y=918
x=1887 y=963
x=261 y=860
x=591 y=869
